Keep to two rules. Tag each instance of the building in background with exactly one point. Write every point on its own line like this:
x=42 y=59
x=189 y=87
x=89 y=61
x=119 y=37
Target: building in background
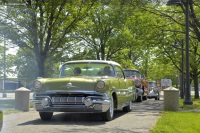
x=10 y=85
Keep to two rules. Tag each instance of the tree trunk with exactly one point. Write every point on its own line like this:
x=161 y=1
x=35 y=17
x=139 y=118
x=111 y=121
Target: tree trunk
x=196 y=88
x=40 y=58
x=98 y=56
x=102 y=51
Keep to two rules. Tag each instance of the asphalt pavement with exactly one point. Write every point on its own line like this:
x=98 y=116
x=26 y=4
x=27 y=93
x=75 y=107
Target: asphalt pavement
x=140 y=120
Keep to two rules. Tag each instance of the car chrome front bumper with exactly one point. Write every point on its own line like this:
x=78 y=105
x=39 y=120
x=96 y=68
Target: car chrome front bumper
x=139 y=91
x=153 y=94
x=71 y=104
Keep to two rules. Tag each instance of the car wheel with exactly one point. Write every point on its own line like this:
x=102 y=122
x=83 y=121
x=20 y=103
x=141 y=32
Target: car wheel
x=144 y=97
x=158 y=97
x=128 y=108
x=139 y=99
x=108 y=115
x=135 y=98
x=46 y=115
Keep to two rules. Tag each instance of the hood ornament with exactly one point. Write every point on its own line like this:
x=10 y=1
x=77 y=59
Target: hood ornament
x=69 y=85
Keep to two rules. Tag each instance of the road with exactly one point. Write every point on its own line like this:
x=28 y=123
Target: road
x=140 y=120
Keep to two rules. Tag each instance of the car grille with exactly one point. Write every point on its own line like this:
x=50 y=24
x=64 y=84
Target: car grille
x=67 y=100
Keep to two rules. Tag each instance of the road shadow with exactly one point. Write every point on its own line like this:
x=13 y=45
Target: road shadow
x=149 y=105
x=144 y=108
x=86 y=119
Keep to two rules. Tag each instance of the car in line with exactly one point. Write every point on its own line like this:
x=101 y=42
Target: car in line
x=84 y=86
x=141 y=83
x=153 y=90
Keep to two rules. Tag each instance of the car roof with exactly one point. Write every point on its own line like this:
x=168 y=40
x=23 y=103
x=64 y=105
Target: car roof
x=94 y=61
x=151 y=81
x=131 y=70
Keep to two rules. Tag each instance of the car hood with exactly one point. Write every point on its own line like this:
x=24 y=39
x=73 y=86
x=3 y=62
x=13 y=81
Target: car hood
x=69 y=84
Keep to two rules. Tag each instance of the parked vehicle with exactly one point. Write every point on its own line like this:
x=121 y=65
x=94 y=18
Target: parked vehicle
x=84 y=86
x=139 y=91
x=135 y=75
x=153 y=90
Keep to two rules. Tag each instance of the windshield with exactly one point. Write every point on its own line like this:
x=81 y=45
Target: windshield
x=86 y=69
x=152 y=84
x=132 y=74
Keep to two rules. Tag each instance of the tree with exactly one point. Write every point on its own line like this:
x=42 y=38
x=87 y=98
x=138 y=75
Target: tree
x=1 y=60
x=43 y=26
x=194 y=26
x=105 y=32
x=173 y=29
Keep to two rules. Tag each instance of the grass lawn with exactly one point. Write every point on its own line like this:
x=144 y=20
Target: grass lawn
x=8 y=106
x=10 y=103
x=7 y=112
x=186 y=120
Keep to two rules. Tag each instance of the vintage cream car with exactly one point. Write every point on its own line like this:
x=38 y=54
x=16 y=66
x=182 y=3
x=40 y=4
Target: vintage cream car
x=84 y=86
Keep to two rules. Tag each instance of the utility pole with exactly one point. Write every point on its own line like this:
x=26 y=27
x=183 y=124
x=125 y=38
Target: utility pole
x=4 y=67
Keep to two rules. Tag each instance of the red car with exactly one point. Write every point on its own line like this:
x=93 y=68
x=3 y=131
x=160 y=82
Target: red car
x=142 y=84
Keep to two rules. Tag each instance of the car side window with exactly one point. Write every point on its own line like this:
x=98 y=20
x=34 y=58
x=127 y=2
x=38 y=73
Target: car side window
x=119 y=72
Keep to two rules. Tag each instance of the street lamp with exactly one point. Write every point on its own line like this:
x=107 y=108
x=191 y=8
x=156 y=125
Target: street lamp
x=182 y=83
x=4 y=67
x=182 y=71
x=187 y=100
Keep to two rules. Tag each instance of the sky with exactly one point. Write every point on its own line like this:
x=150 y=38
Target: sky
x=11 y=48
x=12 y=51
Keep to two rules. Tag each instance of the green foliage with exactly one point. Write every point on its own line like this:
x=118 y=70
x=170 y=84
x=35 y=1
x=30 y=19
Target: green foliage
x=137 y=34
x=26 y=67
x=43 y=26
x=1 y=61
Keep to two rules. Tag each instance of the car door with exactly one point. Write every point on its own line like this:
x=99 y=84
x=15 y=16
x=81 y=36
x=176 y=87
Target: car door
x=124 y=93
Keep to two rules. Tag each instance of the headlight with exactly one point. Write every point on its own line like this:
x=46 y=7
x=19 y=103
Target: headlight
x=100 y=84
x=45 y=102
x=37 y=84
